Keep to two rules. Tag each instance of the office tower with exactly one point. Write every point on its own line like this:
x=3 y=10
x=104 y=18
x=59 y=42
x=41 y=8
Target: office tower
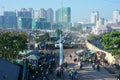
x=24 y=23
x=9 y=20
x=40 y=23
x=116 y=16
x=1 y=21
x=23 y=9
x=32 y=12
x=42 y=13
x=56 y=16
x=24 y=13
x=101 y=21
x=63 y=16
x=9 y=13
x=94 y=17
x=50 y=15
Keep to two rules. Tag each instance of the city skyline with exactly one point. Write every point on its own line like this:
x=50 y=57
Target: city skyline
x=80 y=10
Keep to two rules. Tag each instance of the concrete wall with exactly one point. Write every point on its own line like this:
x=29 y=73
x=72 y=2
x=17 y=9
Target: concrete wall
x=111 y=59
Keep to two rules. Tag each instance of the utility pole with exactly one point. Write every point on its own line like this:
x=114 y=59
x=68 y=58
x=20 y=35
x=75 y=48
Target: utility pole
x=61 y=52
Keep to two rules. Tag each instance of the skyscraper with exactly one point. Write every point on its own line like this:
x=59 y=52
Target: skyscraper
x=42 y=13
x=24 y=13
x=63 y=16
x=32 y=12
x=24 y=23
x=50 y=15
x=94 y=17
x=9 y=13
x=56 y=16
x=9 y=20
x=116 y=16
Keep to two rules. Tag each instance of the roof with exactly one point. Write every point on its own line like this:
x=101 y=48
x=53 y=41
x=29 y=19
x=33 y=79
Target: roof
x=113 y=24
x=8 y=70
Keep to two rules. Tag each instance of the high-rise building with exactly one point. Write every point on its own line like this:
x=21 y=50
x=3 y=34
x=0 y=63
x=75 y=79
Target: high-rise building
x=63 y=16
x=42 y=13
x=100 y=22
x=9 y=13
x=94 y=17
x=24 y=13
x=23 y=9
x=50 y=15
x=56 y=16
x=40 y=23
x=24 y=23
x=8 y=20
x=32 y=12
x=1 y=21
x=116 y=16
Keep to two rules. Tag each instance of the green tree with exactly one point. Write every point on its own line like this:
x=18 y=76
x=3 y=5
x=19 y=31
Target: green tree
x=11 y=43
x=92 y=37
x=43 y=38
x=46 y=36
x=58 y=31
x=73 y=28
x=111 y=42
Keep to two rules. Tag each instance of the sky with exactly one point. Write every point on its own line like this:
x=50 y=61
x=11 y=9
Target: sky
x=80 y=9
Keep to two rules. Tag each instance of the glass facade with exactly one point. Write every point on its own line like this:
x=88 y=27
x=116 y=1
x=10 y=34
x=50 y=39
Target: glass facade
x=40 y=23
x=24 y=23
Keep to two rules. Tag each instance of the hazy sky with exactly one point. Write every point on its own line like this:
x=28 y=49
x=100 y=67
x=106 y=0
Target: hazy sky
x=81 y=9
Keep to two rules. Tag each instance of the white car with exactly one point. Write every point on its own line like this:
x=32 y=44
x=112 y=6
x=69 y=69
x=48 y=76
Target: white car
x=57 y=45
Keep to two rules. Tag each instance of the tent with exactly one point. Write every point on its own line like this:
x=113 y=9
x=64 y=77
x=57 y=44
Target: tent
x=33 y=57
x=25 y=52
x=80 y=52
x=92 y=51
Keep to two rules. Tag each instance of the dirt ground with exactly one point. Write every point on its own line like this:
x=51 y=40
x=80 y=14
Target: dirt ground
x=66 y=51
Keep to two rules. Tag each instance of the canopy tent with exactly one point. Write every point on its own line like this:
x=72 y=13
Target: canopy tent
x=33 y=57
x=92 y=51
x=80 y=52
x=25 y=52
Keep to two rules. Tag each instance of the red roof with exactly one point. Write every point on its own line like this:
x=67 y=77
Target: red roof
x=113 y=24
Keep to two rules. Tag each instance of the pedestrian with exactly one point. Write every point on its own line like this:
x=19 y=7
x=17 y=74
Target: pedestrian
x=90 y=60
x=93 y=65
x=58 y=73
x=81 y=64
x=70 y=56
x=98 y=67
x=66 y=64
x=61 y=70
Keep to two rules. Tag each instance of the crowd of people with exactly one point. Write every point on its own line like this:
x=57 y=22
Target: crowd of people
x=41 y=69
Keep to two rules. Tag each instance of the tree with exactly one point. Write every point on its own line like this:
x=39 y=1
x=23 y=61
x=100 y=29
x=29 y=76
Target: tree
x=111 y=42
x=43 y=38
x=11 y=44
x=46 y=36
x=92 y=37
x=58 y=31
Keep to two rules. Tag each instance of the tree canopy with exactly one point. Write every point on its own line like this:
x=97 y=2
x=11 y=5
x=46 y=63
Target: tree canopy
x=11 y=44
x=111 y=42
x=58 y=31
x=43 y=38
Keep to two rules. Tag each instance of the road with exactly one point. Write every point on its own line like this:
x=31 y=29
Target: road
x=87 y=73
